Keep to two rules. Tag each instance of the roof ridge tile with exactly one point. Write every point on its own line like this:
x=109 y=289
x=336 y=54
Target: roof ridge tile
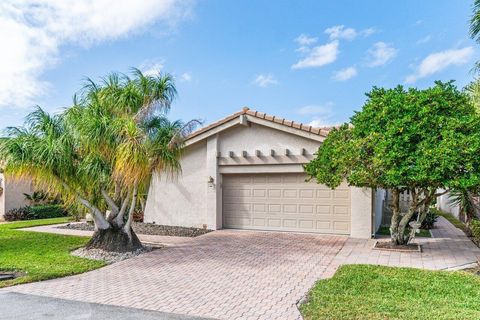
x=261 y=115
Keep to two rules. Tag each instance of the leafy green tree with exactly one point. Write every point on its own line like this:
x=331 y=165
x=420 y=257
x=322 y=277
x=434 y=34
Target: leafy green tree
x=405 y=140
x=100 y=153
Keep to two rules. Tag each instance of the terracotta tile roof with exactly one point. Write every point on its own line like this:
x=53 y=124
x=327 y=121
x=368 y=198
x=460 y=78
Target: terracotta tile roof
x=260 y=115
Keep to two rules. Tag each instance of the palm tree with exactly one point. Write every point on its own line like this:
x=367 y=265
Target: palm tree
x=473 y=91
x=475 y=27
x=465 y=200
x=475 y=21
x=102 y=151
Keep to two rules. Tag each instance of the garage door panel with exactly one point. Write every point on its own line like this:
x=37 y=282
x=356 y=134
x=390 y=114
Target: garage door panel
x=324 y=226
x=306 y=208
x=274 y=208
x=341 y=210
x=306 y=194
x=284 y=202
x=290 y=193
x=341 y=226
x=341 y=194
x=238 y=207
x=323 y=209
x=289 y=208
x=306 y=224
x=274 y=223
x=259 y=193
x=324 y=194
x=257 y=222
x=274 y=193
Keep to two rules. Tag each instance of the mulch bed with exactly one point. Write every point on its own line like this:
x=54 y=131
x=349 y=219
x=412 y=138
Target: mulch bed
x=388 y=246
x=147 y=228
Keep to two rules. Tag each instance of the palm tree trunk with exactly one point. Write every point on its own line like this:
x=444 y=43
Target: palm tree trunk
x=114 y=239
x=118 y=236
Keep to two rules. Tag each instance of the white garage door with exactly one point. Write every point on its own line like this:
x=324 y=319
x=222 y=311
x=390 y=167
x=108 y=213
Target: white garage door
x=284 y=202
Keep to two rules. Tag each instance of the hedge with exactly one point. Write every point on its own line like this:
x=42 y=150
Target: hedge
x=36 y=212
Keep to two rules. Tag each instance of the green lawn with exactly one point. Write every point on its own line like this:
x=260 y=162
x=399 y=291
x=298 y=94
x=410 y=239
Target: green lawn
x=40 y=256
x=374 y=292
x=385 y=231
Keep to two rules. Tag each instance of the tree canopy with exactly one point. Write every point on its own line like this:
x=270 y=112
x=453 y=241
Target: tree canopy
x=417 y=140
x=101 y=151
x=404 y=137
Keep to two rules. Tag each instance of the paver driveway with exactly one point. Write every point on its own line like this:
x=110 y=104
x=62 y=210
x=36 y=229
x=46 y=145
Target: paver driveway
x=225 y=274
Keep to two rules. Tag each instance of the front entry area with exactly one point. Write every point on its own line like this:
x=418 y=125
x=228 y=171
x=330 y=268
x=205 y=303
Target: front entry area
x=284 y=202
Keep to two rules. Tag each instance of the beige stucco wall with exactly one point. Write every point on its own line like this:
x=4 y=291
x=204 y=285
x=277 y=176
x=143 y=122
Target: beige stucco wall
x=444 y=204
x=257 y=137
x=361 y=212
x=180 y=201
x=13 y=194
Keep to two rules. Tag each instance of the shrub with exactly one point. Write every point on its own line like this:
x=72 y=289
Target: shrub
x=475 y=229
x=47 y=211
x=36 y=212
x=429 y=221
x=15 y=214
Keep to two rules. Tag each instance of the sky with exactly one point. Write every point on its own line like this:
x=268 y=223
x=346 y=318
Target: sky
x=309 y=61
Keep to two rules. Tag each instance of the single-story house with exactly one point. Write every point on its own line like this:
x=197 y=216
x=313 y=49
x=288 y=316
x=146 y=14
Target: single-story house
x=12 y=194
x=246 y=172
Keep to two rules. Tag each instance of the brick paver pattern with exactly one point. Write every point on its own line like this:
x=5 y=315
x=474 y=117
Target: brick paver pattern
x=229 y=274
x=223 y=275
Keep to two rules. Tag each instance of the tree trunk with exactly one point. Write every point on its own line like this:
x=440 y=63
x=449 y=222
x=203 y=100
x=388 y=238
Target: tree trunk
x=394 y=232
x=418 y=205
x=112 y=234
x=402 y=224
x=461 y=214
x=114 y=239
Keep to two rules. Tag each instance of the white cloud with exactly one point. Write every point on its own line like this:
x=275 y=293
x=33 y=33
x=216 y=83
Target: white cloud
x=265 y=80
x=305 y=40
x=340 y=32
x=152 y=68
x=186 y=77
x=345 y=74
x=380 y=54
x=438 y=61
x=34 y=31
x=321 y=115
x=319 y=123
x=369 y=31
x=319 y=56
x=325 y=109
x=424 y=39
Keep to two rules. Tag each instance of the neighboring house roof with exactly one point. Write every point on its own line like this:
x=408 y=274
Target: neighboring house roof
x=263 y=117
